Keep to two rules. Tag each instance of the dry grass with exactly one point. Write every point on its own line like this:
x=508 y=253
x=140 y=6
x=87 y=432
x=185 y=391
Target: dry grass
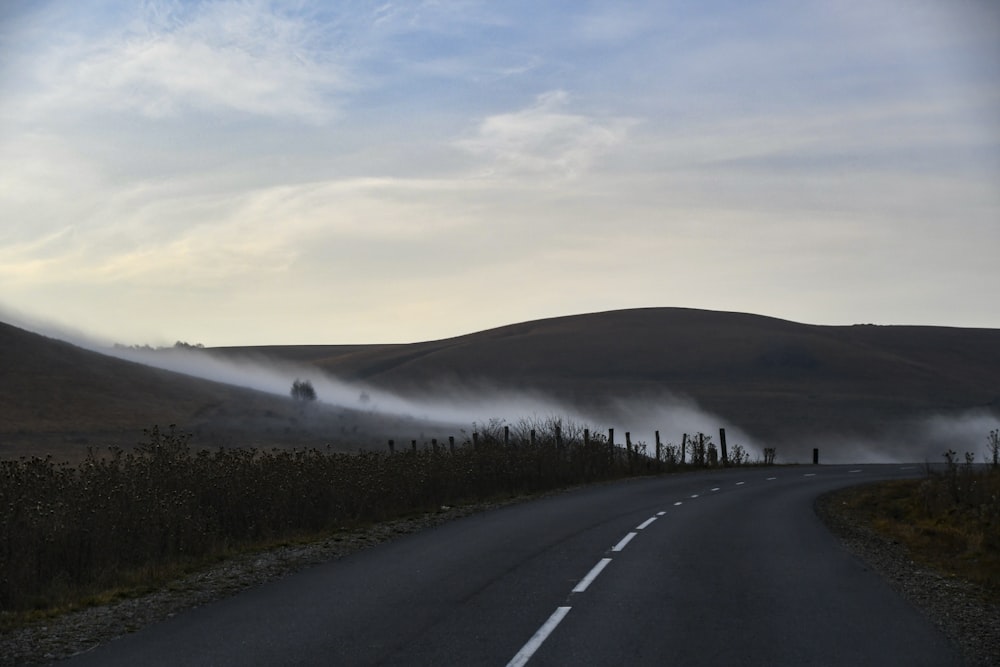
x=59 y=400
x=948 y=521
x=121 y=521
x=779 y=381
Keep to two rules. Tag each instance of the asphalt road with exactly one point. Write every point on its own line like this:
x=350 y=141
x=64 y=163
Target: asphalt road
x=715 y=568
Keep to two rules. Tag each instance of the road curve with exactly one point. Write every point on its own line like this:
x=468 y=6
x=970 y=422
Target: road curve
x=727 y=567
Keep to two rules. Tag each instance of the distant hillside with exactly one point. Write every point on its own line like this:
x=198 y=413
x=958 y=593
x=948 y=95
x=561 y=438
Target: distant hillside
x=779 y=381
x=776 y=379
x=56 y=398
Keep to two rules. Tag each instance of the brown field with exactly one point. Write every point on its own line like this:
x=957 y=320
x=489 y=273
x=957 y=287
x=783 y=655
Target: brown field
x=57 y=399
x=777 y=380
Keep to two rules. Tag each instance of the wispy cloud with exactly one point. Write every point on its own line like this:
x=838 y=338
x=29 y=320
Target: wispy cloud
x=236 y=236
x=544 y=139
x=247 y=57
x=344 y=163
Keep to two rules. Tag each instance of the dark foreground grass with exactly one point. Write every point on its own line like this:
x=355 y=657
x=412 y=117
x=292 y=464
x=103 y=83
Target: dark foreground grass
x=123 y=522
x=948 y=521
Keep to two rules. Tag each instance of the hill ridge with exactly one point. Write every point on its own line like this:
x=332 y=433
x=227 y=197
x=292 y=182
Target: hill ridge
x=778 y=379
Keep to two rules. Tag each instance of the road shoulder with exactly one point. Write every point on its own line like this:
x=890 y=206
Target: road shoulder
x=952 y=604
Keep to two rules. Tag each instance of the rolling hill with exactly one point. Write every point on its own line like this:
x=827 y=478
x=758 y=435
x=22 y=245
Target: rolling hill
x=778 y=381
x=60 y=399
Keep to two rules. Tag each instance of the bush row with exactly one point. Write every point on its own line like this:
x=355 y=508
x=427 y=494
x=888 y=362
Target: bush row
x=69 y=531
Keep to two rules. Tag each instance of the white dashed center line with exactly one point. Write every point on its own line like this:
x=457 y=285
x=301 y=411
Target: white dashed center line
x=589 y=579
x=624 y=542
x=528 y=650
x=646 y=523
x=536 y=641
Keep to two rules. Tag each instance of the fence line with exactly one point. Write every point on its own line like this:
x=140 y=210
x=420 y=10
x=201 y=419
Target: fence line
x=695 y=450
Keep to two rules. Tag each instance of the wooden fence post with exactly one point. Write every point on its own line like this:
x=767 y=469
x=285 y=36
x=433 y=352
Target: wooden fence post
x=392 y=447
x=475 y=439
x=658 y=459
x=451 y=443
x=558 y=437
x=722 y=445
x=683 y=447
x=506 y=435
x=532 y=437
x=611 y=445
x=815 y=455
x=434 y=445
x=628 y=450
x=586 y=436
x=414 y=445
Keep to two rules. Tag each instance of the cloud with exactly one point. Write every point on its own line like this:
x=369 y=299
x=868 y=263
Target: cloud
x=543 y=139
x=247 y=57
x=397 y=157
x=43 y=183
x=220 y=237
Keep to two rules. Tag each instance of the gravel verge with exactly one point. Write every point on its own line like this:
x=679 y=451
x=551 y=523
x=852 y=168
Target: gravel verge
x=954 y=605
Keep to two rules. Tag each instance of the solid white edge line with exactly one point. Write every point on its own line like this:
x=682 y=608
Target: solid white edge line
x=624 y=541
x=589 y=579
x=528 y=650
x=646 y=523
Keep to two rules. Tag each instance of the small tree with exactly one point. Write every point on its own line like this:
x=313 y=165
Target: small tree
x=994 y=442
x=302 y=390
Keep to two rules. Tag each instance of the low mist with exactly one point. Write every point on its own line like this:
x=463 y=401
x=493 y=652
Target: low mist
x=462 y=405
x=917 y=440
x=460 y=408
x=466 y=405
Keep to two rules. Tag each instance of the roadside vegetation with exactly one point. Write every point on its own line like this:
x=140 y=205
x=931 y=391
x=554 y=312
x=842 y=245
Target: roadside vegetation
x=122 y=522
x=949 y=520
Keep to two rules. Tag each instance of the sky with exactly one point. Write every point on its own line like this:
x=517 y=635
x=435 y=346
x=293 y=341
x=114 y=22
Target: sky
x=254 y=172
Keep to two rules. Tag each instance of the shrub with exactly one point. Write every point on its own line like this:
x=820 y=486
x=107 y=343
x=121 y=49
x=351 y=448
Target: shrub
x=738 y=455
x=67 y=532
x=302 y=390
x=71 y=531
